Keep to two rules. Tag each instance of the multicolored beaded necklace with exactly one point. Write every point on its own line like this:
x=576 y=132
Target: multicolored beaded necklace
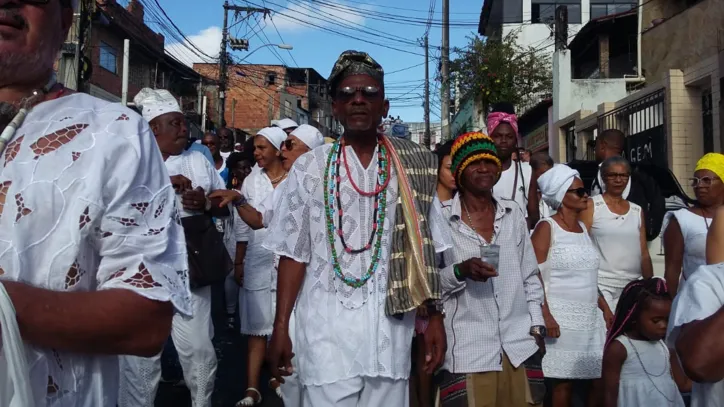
x=332 y=180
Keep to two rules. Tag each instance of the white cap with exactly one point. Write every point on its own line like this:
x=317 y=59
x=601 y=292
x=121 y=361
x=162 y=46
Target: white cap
x=309 y=135
x=154 y=103
x=275 y=135
x=284 y=123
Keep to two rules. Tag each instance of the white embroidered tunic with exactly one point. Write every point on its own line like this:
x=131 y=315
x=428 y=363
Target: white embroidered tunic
x=341 y=332
x=88 y=206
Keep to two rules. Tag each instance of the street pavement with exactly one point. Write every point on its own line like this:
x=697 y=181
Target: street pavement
x=231 y=374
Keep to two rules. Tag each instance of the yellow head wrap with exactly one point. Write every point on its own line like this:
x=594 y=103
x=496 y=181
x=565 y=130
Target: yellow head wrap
x=713 y=162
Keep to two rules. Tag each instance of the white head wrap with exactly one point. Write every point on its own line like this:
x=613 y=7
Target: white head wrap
x=555 y=182
x=309 y=136
x=154 y=103
x=285 y=124
x=275 y=135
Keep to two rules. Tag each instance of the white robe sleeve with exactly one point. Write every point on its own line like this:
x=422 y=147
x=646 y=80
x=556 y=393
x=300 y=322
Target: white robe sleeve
x=290 y=234
x=141 y=242
x=699 y=298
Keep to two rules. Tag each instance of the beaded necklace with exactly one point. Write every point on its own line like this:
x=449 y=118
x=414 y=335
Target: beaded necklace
x=332 y=180
x=26 y=105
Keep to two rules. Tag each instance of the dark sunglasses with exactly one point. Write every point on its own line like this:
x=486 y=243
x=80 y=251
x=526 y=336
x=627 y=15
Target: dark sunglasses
x=581 y=192
x=348 y=92
x=288 y=144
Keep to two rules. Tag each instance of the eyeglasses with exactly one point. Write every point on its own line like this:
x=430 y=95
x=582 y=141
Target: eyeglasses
x=289 y=144
x=616 y=175
x=348 y=92
x=702 y=182
x=581 y=192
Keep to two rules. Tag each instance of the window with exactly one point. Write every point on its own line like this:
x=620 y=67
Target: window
x=271 y=78
x=601 y=8
x=109 y=58
x=544 y=11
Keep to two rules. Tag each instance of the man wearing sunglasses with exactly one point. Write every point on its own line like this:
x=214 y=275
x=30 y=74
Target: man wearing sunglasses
x=90 y=254
x=341 y=235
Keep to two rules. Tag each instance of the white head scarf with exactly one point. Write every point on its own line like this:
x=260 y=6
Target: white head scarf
x=154 y=103
x=555 y=182
x=309 y=136
x=285 y=124
x=275 y=135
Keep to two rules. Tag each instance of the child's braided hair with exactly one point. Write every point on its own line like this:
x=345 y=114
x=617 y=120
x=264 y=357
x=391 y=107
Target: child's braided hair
x=632 y=301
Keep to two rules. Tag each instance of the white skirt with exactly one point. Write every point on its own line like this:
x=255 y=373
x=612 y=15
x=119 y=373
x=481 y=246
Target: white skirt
x=578 y=353
x=256 y=312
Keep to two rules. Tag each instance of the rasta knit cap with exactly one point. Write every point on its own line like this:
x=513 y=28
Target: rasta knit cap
x=469 y=148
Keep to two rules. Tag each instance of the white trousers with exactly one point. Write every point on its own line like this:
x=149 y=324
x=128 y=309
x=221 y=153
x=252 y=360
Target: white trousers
x=359 y=392
x=292 y=394
x=611 y=295
x=192 y=339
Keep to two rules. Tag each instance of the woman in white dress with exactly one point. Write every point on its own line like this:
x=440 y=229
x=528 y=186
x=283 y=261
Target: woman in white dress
x=256 y=307
x=569 y=268
x=618 y=231
x=685 y=230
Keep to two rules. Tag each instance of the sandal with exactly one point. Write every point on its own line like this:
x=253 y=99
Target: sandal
x=276 y=386
x=249 y=401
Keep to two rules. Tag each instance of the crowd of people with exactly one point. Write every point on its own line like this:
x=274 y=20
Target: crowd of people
x=365 y=271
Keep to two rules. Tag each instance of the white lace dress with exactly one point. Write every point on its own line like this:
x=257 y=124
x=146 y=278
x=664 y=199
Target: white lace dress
x=571 y=277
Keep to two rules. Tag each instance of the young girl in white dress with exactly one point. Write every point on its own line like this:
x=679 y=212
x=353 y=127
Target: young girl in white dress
x=638 y=368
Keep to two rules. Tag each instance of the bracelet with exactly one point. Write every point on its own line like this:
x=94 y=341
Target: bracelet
x=458 y=274
x=240 y=202
x=239 y=264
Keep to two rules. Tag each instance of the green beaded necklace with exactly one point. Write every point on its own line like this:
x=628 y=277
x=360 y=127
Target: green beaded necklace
x=331 y=191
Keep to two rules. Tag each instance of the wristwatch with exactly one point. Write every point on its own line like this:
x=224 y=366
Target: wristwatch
x=538 y=330
x=240 y=202
x=435 y=307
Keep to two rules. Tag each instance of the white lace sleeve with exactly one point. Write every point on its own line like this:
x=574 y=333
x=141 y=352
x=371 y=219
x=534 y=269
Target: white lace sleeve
x=290 y=234
x=140 y=239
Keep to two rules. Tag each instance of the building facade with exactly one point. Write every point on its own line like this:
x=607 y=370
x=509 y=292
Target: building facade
x=102 y=56
x=677 y=117
x=258 y=94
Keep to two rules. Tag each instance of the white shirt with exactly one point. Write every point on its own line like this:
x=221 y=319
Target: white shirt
x=504 y=187
x=694 y=229
x=90 y=207
x=601 y=187
x=483 y=320
x=699 y=298
x=618 y=241
x=342 y=332
x=259 y=262
x=266 y=208
x=194 y=166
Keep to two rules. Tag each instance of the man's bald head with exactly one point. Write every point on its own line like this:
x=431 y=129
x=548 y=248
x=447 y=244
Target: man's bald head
x=610 y=143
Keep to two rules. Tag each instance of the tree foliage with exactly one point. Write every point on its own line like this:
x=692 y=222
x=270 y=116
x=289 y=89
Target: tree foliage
x=497 y=70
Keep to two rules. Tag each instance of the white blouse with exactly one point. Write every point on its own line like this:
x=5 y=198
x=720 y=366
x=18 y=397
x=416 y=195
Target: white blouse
x=259 y=262
x=89 y=206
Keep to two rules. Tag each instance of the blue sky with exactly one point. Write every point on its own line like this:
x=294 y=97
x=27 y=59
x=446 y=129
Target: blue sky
x=318 y=48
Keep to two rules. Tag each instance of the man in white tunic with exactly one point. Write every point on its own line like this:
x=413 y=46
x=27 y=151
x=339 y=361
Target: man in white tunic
x=90 y=252
x=193 y=177
x=341 y=232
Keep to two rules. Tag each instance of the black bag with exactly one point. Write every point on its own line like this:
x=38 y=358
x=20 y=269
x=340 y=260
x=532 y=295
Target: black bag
x=209 y=261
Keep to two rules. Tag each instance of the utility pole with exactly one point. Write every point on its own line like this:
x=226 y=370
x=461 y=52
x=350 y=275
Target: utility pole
x=427 y=94
x=561 y=28
x=222 y=65
x=445 y=55
x=224 y=56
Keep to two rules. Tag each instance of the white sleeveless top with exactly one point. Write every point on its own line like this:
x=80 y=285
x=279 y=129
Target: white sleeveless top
x=618 y=241
x=694 y=229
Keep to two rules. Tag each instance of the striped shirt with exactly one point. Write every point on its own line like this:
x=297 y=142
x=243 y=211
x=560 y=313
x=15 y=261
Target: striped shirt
x=483 y=320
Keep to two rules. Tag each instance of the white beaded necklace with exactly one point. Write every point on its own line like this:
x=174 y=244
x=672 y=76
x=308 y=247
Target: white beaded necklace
x=27 y=104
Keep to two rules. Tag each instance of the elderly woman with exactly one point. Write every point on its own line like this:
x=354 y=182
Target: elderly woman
x=568 y=261
x=685 y=230
x=299 y=141
x=193 y=177
x=618 y=230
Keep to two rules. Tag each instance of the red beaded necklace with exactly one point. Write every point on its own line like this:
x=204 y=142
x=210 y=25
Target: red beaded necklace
x=382 y=161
